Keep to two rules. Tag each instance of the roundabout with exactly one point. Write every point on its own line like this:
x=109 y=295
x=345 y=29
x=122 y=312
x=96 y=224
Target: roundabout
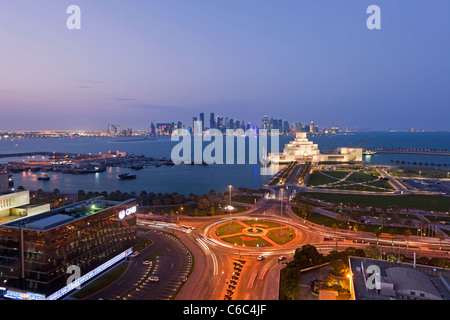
x=250 y=233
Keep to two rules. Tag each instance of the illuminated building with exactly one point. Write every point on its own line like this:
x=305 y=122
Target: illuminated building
x=36 y=252
x=302 y=149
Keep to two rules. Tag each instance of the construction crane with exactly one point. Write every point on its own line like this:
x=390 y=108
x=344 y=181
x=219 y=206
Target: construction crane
x=351 y=146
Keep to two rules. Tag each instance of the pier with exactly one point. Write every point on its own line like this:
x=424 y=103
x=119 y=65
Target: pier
x=423 y=151
x=80 y=163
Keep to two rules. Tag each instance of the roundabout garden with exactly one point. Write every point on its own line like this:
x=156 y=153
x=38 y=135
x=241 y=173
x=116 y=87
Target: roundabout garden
x=255 y=233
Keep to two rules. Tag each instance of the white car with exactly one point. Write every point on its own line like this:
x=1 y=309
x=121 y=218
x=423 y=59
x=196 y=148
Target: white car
x=154 y=278
x=260 y=258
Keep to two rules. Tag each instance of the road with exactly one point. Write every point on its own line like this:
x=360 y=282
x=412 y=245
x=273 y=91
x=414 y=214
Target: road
x=212 y=264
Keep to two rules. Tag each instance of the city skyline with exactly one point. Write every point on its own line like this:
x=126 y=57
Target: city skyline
x=145 y=61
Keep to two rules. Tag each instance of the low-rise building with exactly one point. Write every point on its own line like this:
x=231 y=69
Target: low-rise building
x=383 y=280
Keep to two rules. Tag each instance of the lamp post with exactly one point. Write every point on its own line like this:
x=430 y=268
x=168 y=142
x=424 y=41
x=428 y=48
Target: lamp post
x=229 y=206
x=229 y=187
x=281 y=212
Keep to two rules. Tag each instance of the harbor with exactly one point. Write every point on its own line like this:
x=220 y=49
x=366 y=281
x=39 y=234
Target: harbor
x=79 y=163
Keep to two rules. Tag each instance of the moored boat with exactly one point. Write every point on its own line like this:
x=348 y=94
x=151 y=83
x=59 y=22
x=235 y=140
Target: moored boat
x=126 y=176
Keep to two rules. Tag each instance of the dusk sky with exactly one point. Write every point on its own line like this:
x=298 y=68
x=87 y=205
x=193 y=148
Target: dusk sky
x=138 y=61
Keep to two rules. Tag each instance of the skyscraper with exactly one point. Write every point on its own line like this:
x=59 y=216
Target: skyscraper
x=202 y=119
x=212 y=123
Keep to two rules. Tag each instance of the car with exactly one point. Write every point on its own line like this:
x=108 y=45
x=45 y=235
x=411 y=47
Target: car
x=135 y=254
x=153 y=278
x=147 y=262
x=281 y=258
x=260 y=258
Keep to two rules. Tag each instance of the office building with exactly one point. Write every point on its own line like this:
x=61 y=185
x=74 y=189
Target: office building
x=37 y=251
x=202 y=119
x=212 y=123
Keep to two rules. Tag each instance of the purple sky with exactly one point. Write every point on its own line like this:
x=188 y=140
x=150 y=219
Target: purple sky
x=138 y=61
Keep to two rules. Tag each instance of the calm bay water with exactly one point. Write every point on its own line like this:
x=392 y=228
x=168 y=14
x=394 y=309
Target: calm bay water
x=195 y=179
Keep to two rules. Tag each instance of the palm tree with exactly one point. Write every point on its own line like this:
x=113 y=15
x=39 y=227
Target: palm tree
x=362 y=228
x=396 y=220
x=407 y=235
x=440 y=238
x=409 y=223
x=383 y=218
x=377 y=234
x=425 y=225
x=335 y=227
x=393 y=233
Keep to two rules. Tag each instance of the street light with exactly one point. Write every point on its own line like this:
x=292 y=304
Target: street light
x=230 y=195
x=229 y=206
x=281 y=212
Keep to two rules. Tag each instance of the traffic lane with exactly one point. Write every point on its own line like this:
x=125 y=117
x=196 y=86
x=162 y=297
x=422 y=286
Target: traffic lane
x=218 y=283
x=256 y=281
x=194 y=287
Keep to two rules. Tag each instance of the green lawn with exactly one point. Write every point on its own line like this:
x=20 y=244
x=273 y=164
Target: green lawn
x=369 y=213
x=416 y=201
x=356 y=187
x=229 y=228
x=360 y=177
x=281 y=236
x=245 y=199
x=269 y=224
x=252 y=243
x=329 y=222
x=359 y=181
x=381 y=184
x=418 y=172
x=318 y=178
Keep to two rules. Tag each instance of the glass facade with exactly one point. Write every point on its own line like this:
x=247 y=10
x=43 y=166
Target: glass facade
x=37 y=260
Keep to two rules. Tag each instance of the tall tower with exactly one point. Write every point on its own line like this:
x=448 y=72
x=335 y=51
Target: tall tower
x=212 y=123
x=202 y=119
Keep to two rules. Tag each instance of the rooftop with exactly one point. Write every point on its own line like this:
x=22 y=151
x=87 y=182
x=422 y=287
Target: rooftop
x=56 y=217
x=399 y=281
